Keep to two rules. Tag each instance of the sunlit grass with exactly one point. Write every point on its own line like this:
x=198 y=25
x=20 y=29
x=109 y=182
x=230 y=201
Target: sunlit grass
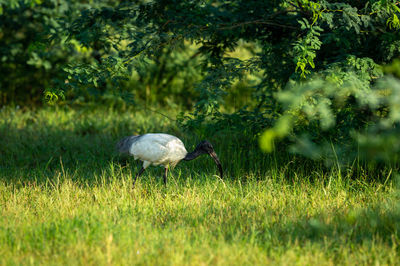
x=66 y=199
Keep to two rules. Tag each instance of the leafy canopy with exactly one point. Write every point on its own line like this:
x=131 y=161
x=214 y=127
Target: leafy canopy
x=321 y=87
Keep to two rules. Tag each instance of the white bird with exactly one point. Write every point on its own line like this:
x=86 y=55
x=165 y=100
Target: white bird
x=163 y=149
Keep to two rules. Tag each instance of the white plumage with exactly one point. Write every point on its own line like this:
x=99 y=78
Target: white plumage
x=158 y=149
x=163 y=149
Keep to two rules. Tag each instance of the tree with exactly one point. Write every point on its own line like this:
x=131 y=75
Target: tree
x=319 y=62
x=33 y=51
x=321 y=86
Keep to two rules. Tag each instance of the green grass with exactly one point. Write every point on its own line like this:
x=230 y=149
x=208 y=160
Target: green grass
x=66 y=199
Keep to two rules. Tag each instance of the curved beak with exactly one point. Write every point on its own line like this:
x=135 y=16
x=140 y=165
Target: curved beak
x=217 y=162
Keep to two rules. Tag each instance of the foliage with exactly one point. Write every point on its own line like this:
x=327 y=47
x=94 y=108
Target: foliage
x=31 y=61
x=339 y=115
x=316 y=63
x=168 y=77
x=38 y=57
x=319 y=62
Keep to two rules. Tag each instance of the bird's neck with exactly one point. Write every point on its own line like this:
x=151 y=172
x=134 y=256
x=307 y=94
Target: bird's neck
x=193 y=155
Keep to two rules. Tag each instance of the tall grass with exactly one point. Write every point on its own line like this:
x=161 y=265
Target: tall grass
x=65 y=198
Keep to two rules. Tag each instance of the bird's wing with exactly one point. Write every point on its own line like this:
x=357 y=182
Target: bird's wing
x=177 y=150
x=150 y=148
x=158 y=149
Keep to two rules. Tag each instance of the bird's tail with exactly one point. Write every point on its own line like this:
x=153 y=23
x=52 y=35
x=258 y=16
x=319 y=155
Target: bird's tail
x=124 y=145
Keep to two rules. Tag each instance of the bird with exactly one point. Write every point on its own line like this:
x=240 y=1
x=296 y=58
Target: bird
x=163 y=149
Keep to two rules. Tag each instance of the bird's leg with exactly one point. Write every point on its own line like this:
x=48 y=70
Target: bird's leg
x=165 y=175
x=137 y=175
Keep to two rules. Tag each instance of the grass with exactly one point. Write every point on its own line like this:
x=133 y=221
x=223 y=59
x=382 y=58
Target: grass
x=66 y=199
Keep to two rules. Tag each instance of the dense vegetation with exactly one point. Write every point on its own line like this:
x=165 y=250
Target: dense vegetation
x=314 y=76
x=301 y=99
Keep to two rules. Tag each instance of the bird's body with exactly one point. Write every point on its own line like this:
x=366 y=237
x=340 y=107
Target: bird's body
x=156 y=149
x=162 y=149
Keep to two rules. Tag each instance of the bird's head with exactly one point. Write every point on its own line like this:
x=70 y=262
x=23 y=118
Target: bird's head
x=207 y=147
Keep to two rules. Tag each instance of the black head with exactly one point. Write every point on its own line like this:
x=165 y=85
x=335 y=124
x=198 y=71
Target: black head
x=207 y=147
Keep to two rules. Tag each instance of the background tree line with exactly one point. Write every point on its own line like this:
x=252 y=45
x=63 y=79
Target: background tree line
x=316 y=78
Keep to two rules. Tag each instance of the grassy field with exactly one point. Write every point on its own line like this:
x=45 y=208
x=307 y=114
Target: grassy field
x=66 y=198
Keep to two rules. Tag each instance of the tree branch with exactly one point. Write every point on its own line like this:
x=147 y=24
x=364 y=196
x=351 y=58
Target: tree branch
x=255 y=22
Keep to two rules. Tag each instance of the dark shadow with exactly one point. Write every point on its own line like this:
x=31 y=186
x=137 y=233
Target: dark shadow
x=81 y=147
x=31 y=155
x=33 y=150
